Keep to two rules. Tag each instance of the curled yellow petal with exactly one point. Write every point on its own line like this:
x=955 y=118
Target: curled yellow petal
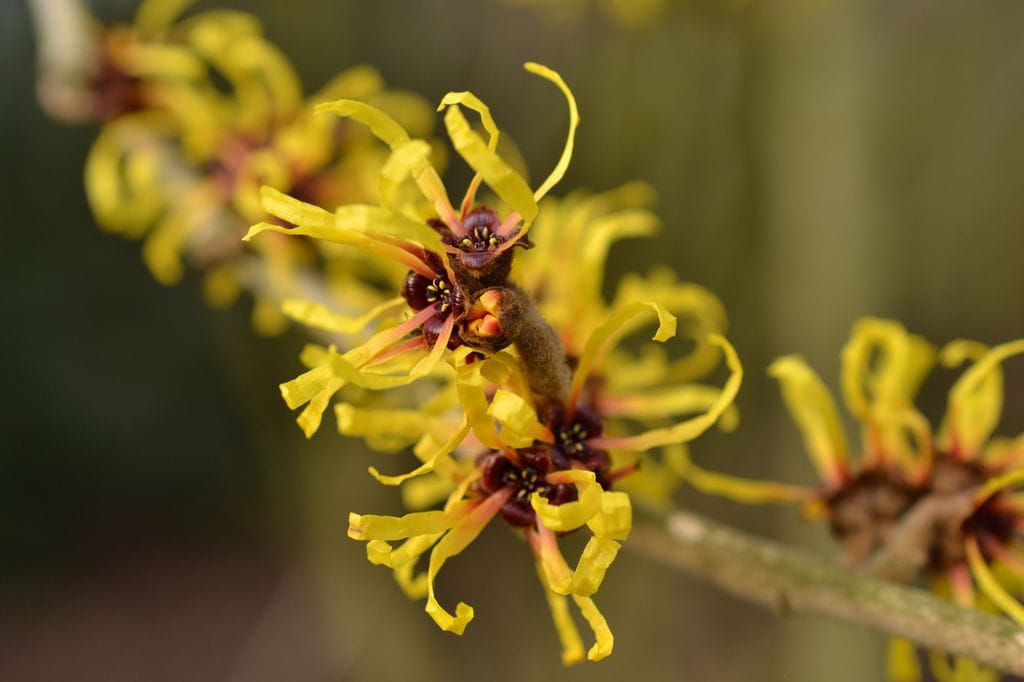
x=882 y=367
x=456 y=540
x=518 y=419
x=669 y=402
x=976 y=400
x=391 y=133
x=302 y=388
x=557 y=574
x=404 y=158
x=122 y=179
x=608 y=332
x=605 y=641
x=988 y=583
x=505 y=182
x=346 y=224
x=413 y=584
x=375 y=527
x=571 y=515
x=700 y=313
x=471 y=387
x=431 y=462
x=319 y=316
x=574 y=119
x=311 y=416
x=610 y=525
x=814 y=410
x=742 y=490
x=338 y=235
x=472 y=102
x=292 y=210
x=568 y=633
x=597 y=557
x=997 y=484
x=693 y=427
x=383 y=429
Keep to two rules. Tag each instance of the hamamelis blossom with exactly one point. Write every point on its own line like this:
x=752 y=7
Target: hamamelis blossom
x=972 y=550
x=182 y=167
x=88 y=71
x=453 y=256
x=545 y=472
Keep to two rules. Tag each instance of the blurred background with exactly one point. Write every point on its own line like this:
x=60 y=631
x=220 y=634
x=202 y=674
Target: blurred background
x=164 y=519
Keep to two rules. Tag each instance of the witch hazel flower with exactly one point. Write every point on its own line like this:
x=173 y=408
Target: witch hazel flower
x=939 y=506
x=455 y=257
x=543 y=467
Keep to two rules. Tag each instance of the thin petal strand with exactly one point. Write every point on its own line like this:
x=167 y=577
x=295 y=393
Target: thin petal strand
x=574 y=119
x=814 y=410
x=688 y=429
x=988 y=583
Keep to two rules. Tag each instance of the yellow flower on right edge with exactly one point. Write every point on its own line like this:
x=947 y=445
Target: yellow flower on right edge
x=970 y=551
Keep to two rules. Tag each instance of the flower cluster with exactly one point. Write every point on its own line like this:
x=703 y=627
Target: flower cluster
x=534 y=408
x=937 y=506
x=198 y=114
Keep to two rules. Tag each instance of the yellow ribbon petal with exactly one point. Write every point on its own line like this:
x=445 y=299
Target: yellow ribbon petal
x=976 y=400
x=456 y=540
x=471 y=101
x=505 y=182
x=989 y=585
x=518 y=419
x=431 y=463
x=319 y=316
x=605 y=335
x=872 y=385
x=374 y=527
x=391 y=133
x=605 y=641
x=814 y=410
x=574 y=119
x=471 y=387
x=571 y=515
x=568 y=633
x=404 y=158
x=687 y=429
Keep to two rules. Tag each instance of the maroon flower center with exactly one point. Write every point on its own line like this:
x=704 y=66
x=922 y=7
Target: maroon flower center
x=525 y=477
x=572 y=435
x=447 y=299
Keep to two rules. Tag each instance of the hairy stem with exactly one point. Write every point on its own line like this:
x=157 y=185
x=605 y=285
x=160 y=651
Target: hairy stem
x=787 y=580
x=539 y=347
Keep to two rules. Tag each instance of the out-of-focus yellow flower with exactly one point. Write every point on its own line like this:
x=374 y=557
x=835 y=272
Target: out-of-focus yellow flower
x=974 y=554
x=91 y=72
x=452 y=256
x=184 y=167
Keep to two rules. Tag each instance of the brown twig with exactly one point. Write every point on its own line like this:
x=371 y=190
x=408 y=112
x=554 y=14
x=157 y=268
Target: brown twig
x=787 y=580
